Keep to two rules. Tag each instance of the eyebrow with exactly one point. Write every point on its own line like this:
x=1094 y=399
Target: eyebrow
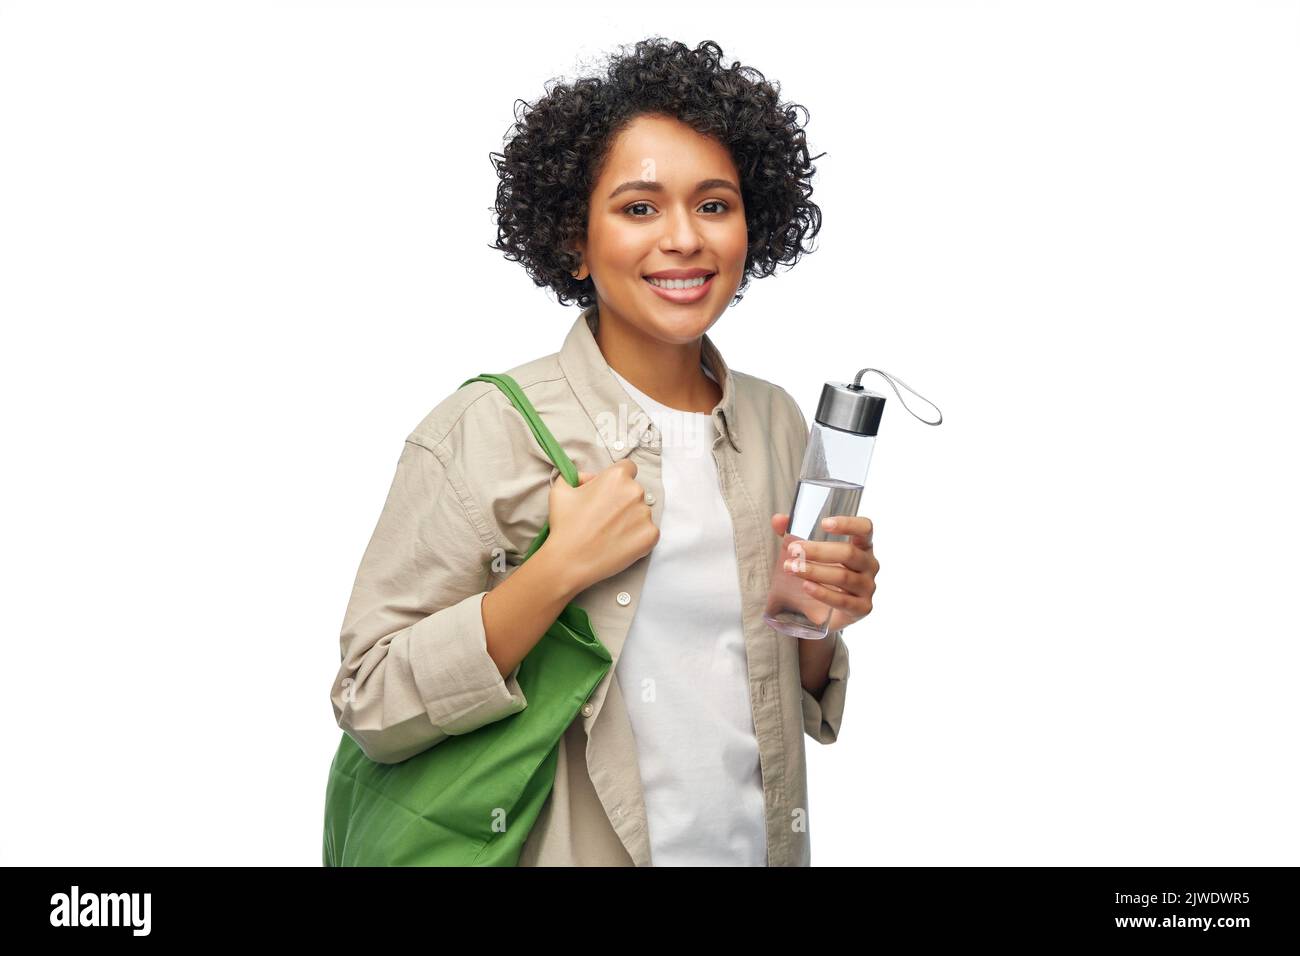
x=658 y=187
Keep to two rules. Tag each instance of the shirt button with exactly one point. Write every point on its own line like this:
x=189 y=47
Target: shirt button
x=649 y=498
x=587 y=709
x=618 y=445
x=624 y=598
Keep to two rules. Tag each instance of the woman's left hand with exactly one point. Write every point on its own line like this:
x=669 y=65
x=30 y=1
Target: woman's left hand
x=841 y=574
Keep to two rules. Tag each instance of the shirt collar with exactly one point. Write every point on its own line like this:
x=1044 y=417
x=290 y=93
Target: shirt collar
x=602 y=395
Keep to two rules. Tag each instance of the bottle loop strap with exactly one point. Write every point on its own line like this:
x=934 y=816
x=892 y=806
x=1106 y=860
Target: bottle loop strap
x=857 y=384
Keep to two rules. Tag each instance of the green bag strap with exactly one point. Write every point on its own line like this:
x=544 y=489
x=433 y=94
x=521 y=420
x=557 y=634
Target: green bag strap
x=540 y=432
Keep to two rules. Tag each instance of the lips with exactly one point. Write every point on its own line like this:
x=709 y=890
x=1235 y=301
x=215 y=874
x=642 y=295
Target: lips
x=681 y=296
x=679 y=274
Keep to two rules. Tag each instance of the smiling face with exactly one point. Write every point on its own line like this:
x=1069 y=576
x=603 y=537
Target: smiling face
x=667 y=203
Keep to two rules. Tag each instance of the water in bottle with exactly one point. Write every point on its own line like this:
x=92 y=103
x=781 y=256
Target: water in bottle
x=790 y=609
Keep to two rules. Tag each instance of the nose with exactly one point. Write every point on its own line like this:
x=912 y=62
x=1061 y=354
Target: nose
x=680 y=233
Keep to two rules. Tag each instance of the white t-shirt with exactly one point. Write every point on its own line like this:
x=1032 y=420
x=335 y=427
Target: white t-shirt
x=683 y=671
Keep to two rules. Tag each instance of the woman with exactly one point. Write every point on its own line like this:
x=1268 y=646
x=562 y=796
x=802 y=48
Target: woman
x=649 y=196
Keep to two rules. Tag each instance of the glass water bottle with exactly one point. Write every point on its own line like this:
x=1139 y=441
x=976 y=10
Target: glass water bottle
x=840 y=443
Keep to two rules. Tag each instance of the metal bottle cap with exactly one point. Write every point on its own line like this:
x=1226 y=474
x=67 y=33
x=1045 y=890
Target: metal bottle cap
x=850 y=408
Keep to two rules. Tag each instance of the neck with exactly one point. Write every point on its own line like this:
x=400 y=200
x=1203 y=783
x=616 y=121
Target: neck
x=669 y=373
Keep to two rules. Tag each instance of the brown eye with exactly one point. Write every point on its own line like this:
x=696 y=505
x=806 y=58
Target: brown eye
x=635 y=205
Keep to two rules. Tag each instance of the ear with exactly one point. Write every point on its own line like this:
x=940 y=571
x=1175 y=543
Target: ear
x=580 y=247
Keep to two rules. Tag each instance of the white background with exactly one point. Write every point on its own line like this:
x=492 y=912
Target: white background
x=244 y=250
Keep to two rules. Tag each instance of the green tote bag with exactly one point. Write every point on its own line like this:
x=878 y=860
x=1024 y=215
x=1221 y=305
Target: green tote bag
x=471 y=799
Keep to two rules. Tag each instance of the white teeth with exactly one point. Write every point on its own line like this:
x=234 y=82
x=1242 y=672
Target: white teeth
x=678 y=283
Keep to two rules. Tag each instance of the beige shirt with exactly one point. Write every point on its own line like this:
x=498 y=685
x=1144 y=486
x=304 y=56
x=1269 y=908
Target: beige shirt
x=471 y=491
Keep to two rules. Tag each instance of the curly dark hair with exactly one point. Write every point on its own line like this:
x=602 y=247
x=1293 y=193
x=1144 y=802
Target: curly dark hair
x=555 y=150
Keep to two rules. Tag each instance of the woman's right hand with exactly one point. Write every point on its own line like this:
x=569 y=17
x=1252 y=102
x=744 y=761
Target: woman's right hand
x=601 y=526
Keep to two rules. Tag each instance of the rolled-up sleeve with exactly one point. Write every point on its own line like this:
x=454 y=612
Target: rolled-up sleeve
x=822 y=714
x=414 y=664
